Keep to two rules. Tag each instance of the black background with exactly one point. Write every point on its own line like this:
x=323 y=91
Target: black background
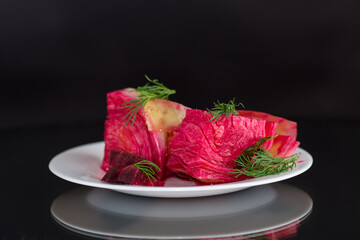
x=292 y=58
x=58 y=59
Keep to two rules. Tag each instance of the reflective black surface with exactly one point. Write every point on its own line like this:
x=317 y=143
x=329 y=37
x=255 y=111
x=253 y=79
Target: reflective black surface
x=251 y=212
x=28 y=188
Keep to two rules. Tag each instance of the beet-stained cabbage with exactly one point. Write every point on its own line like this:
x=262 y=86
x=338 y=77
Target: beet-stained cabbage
x=183 y=141
x=206 y=150
x=285 y=143
x=134 y=138
x=147 y=135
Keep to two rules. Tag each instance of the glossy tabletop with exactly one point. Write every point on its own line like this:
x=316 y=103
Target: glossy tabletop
x=34 y=201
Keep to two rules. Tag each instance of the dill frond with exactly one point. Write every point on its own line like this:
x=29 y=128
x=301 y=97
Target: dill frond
x=223 y=109
x=147 y=92
x=263 y=164
x=147 y=168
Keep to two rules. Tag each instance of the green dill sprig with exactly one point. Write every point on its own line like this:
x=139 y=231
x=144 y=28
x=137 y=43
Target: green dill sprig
x=133 y=107
x=250 y=151
x=264 y=163
x=147 y=92
x=224 y=109
x=147 y=168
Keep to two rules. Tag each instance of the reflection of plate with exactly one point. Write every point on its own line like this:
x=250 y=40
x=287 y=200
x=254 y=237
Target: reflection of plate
x=104 y=214
x=81 y=165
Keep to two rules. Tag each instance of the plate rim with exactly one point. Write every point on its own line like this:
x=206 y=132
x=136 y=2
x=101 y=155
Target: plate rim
x=306 y=164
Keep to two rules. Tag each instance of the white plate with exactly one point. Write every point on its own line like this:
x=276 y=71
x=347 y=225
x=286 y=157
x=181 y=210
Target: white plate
x=245 y=214
x=81 y=165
